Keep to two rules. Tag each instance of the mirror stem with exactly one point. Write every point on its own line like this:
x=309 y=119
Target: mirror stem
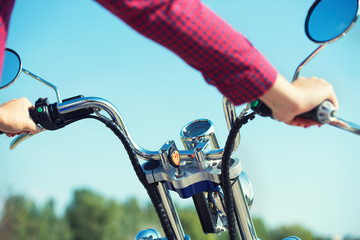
x=44 y=82
x=303 y=63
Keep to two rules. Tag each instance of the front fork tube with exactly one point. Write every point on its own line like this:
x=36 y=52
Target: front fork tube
x=168 y=204
x=245 y=226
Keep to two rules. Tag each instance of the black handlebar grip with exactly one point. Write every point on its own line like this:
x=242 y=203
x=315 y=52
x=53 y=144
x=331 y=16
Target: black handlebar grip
x=33 y=115
x=261 y=108
x=324 y=113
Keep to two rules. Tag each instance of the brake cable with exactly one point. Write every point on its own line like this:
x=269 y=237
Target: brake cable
x=225 y=172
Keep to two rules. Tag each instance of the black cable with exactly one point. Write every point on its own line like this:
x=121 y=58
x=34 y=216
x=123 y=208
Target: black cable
x=225 y=173
x=150 y=188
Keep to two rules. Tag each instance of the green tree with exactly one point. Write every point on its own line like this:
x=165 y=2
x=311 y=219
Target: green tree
x=17 y=222
x=91 y=216
x=88 y=215
x=23 y=220
x=126 y=220
x=261 y=229
x=50 y=226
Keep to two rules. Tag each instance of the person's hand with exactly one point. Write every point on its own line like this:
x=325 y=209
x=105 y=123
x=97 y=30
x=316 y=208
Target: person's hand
x=289 y=100
x=15 y=118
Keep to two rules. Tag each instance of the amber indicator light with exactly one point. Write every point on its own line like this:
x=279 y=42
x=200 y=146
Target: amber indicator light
x=175 y=158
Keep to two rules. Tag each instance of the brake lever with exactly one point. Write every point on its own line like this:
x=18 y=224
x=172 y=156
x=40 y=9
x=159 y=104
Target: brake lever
x=19 y=139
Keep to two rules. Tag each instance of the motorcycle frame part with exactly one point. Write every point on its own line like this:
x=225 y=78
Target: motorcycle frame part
x=230 y=117
x=209 y=178
x=197 y=176
x=195 y=136
x=152 y=234
x=209 y=206
x=165 y=199
x=211 y=212
x=148 y=234
x=245 y=224
x=200 y=178
x=247 y=188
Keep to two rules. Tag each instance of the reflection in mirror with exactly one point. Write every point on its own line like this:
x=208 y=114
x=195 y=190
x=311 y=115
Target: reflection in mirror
x=11 y=69
x=328 y=20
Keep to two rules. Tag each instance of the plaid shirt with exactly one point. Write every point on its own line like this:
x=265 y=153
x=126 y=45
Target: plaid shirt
x=190 y=29
x=6 y=7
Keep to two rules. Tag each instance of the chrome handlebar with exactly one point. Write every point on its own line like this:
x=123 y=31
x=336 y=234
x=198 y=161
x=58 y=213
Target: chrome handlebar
x=102 y=104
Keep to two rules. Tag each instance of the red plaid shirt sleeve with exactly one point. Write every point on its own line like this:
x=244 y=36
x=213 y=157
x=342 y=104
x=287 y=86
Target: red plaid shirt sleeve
x=190 y=29
x=6 y=7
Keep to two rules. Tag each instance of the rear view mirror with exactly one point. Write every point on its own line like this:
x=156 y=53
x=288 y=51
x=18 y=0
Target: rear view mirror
x=11 y=69
x=328 y=20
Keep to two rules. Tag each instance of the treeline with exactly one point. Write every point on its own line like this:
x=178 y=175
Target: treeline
x=92 y=217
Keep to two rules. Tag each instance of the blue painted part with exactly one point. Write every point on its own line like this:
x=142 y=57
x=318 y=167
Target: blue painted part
x=193 y=188
x=292 y=238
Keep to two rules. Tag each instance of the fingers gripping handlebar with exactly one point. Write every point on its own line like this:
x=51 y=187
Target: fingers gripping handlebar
x=46 y=114
x=50 y=118
x=324 y=113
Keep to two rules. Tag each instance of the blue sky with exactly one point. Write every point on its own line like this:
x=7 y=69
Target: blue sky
x=305 y=176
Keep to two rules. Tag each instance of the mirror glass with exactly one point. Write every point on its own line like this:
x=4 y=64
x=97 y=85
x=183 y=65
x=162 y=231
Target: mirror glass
x=11 y=68
x=327 y=20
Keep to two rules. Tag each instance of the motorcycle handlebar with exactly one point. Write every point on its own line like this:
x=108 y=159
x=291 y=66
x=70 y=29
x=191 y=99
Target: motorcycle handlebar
x=57 y=115
x=102 y=104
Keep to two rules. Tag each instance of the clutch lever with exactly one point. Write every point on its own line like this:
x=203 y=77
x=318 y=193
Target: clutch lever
x=19 y=139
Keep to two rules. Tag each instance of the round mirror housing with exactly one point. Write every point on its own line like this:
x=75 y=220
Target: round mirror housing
x=329 y=20
x=11 y=69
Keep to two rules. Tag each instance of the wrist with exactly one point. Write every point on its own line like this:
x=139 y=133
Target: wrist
x=283 y=98
x=1 y=119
